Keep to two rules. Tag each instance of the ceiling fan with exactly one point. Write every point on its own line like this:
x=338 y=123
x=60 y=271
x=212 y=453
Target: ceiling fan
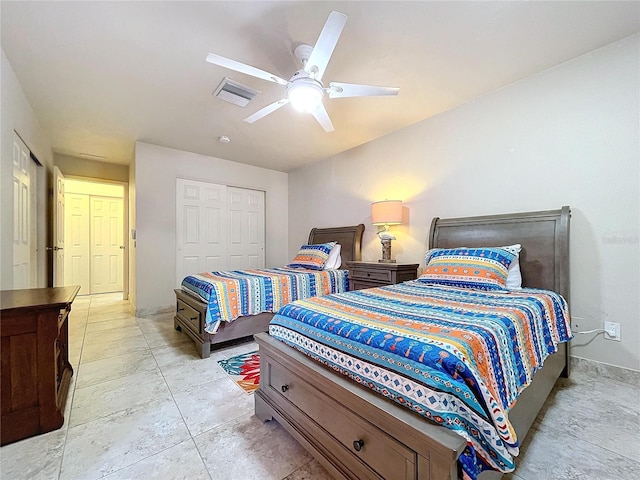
x=305 y=89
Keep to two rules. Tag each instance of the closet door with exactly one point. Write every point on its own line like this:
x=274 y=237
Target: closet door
x=22 y=215
x=107 y=247
x=218 y=228
x=77 y=225
x=246 y=228
x=201 y=224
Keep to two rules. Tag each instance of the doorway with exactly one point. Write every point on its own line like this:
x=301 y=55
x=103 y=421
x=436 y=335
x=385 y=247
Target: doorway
x=94 y=236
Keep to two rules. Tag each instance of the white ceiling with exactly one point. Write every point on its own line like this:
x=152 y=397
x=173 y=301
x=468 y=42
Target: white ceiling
x=101 y=75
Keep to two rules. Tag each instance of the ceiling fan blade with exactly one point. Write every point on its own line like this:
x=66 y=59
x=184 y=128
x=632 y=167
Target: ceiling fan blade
x=325 y=45
x=263 y=112
x=343 y=90
x=323 y=119
x=244 y=68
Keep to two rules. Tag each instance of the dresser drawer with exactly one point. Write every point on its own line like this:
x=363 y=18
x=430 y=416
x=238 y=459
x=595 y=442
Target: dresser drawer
x=387 y=457
x=371 y=274
x=361 y=284
x=190 y=315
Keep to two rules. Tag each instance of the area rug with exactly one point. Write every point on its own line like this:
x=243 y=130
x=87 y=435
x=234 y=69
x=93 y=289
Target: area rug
x=244 y=370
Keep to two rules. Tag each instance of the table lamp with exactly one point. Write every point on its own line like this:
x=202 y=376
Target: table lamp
x=385 y=213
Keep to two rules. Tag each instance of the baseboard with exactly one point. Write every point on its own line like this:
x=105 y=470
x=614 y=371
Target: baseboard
x=613 y=372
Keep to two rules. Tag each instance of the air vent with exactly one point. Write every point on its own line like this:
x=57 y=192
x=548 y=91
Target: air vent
x=234 y=92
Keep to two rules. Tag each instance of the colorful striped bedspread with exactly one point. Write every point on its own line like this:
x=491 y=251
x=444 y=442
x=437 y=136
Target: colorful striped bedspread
x=457 y=356
x=236 y=293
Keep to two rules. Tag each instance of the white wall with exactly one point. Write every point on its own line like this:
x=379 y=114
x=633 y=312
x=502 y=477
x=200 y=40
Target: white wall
x=567 y=136
x=82 y=167
x=18 y=115
x=156 y=170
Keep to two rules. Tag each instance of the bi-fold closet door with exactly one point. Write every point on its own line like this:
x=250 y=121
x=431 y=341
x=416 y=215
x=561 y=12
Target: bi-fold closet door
x=94 y=242
x=218 y=227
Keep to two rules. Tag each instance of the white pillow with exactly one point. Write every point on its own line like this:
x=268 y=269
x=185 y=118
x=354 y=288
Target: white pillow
x=514 y=276
x=335 y=259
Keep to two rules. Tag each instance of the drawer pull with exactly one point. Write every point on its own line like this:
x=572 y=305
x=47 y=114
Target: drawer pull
x=368 y=274
x=358 y=444
x=193 y=319
x=285 y=388
x=181 y=309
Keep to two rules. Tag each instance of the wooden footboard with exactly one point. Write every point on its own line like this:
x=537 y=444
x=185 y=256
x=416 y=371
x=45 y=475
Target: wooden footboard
x=353 y=432
x=190 y=319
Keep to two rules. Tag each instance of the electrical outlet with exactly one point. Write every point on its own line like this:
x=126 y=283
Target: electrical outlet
x=612 y=331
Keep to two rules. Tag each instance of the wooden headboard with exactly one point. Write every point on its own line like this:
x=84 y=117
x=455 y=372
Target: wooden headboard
x=544 y=259
x=349 y=238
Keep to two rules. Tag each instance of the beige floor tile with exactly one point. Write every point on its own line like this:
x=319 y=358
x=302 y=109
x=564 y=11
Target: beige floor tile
x=121 y=323
x=115 y=367
x=211 y=404
x=584 y=406
x=181 y=462
x=107 y=316
x=35 y=458
x=109 y=335
x=107 y=398
x=155 y=325
x=108 y=444
x=180 y=354
x=114 y=348
x=183 y=376
x=274 y=453
x=166 y=337
x=552 y=453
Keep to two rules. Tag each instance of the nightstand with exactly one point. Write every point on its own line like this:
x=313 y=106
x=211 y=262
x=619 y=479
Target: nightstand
x=377 y=274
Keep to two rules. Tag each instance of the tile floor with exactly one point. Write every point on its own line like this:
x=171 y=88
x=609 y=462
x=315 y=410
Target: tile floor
x=142 y=404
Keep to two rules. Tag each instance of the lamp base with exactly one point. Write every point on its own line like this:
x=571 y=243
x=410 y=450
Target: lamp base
x=386 y=251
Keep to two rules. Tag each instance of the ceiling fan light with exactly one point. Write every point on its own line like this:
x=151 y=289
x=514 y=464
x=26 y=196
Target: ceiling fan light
x=305 y=94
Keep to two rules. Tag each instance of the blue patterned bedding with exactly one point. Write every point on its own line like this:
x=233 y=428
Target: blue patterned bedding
x=236 y=293
x=457 y=356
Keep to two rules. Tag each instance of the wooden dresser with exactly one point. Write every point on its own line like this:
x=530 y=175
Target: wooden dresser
x=35 y=371
x=378 y=274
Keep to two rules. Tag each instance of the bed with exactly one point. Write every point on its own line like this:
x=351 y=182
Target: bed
x=356 y=433
x=191 y=310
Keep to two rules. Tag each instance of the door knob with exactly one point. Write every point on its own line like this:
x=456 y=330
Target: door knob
x=121 y=247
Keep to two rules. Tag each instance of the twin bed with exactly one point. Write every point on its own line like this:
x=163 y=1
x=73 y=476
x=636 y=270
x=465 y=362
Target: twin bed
x=338 y=372
x=194 y=313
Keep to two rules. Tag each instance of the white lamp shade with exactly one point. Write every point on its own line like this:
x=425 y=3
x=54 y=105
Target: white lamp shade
x=387 y=212
x=305 y=94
